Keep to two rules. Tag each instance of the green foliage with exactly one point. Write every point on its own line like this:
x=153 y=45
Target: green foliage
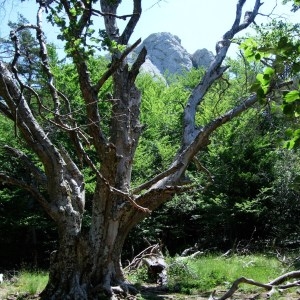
x=185 y=276
x=81 y=40
x=7 y=132
x=161 y=114
x=250 y=179
x=29 y=68
x=33 y=282
x=262 y=84
x=275 y=38
x=139 y=276
x=296 y=4
x=250 y=48
x=277 y=45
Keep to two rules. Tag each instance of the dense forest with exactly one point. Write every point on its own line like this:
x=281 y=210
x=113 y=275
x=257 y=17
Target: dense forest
x=240 y=192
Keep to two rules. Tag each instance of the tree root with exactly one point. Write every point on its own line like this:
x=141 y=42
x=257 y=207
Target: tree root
x=123 y=290
x=273 y=286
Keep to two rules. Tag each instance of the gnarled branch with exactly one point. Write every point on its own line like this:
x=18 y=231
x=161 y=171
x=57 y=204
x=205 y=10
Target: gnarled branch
x=214 y=72
x=271 y=286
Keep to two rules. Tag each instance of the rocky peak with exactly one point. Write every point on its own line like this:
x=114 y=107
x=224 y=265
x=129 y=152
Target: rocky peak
x=202 y=58
x=166 y=55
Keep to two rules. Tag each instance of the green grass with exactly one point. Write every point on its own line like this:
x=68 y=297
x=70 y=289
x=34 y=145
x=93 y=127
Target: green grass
x=192 y=276
x=27 y=282
x=209 y=272
x=185 y=276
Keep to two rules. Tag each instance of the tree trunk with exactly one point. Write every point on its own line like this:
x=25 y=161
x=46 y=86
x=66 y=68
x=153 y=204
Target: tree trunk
x=68 y=271
x=87 y=265
x=76 y=272
x=74 y=276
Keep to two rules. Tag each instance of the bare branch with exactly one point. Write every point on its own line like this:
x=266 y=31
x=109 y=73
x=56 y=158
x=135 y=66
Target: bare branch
x=235 y=286
x=214 y=72
x=137 y=11
x=104 y=14
x=112 y=29
x=115 y=66
x=44 y=58
x=72 y=168
x=159 y=194
x=271 y=286
x=156 y=3
x=156 y=179
x=134 y=71
x=132 y=201
x=5 y=110
x=126 y=196
x=284 y=277
x=201 y=168
x=54 y=92
x=201 y=140
x=45 y=61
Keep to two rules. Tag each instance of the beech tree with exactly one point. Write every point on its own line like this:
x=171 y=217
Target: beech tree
x=87 y=262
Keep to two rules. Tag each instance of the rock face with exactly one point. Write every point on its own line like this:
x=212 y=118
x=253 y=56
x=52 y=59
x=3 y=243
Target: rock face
x=166 y=56
x=149 y=67
x=202 y=58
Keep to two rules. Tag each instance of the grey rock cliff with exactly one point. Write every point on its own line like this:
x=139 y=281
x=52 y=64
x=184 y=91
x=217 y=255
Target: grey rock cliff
x=202 y=58
x=166 y=55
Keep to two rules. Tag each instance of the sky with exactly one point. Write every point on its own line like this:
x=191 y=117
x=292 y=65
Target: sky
x=198 y=23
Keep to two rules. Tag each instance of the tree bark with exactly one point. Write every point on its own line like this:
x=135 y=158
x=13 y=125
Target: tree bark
x=88 y=266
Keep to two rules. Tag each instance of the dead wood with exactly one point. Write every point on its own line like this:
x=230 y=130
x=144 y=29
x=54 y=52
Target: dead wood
x=273 y=286
x=190 y=250
x=153 y=258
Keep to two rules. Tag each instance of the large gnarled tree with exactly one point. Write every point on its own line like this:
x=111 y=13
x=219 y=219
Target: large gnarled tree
x=88 y=263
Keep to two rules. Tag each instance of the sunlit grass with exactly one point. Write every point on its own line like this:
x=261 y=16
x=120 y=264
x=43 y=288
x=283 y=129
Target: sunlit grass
x=33 y=282
x=209 y=272
x=26 y=282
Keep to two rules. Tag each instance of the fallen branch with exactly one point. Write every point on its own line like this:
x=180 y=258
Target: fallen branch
x=137 y=260
x=153 y=258
x=286 y=276
x=272 y=286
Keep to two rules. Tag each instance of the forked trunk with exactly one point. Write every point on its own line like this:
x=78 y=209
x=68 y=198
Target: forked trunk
x=88 y=265
x=72 y=275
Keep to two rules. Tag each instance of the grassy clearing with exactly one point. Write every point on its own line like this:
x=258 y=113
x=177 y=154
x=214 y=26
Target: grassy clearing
x=25 y=283
x=193 y=276
x=186 y=276
x=209 y=272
